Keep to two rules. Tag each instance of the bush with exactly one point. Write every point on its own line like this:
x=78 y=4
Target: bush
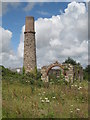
x=28 y=78
x=23 y=70
x=38 y=75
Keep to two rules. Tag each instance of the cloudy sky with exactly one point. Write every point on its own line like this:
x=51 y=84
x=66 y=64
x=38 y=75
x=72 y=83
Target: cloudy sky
x=61 y=32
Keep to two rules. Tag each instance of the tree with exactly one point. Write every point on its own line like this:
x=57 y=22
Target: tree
x=71 y=61
x=87 y=69
x=87 y=73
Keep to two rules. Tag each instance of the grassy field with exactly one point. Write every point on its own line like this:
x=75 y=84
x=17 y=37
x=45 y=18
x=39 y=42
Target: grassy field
x=22 y=100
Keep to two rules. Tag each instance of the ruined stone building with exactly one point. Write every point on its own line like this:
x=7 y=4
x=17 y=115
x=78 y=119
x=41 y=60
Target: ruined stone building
x=29 y=45
x=72 y=72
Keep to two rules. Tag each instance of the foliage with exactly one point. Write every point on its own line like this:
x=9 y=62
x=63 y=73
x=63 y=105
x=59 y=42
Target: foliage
x=86 y=72
x=71 y=61
x=9 y=75
x=28 y=78
x=38 y=74
x=87 y=69
x=23 y=70
x=39 y=83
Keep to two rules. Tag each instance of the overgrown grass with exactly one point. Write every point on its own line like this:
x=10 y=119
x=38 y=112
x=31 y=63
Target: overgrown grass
x=25 y=96
x=25 y=100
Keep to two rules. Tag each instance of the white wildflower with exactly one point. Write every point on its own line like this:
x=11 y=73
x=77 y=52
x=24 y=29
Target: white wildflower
x=71 y=105
x=80 y=87
x=46 y=98
x=42 y=101
x=75 y=85
x=53 y=97
x=71 y=111
x=78 y=109
x=47 y=101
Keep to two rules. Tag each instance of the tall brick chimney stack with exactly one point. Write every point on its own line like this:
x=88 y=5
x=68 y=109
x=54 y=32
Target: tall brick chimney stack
x=29 y=45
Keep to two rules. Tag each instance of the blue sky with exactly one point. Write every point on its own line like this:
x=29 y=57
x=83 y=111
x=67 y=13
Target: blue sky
x=14 y=18
x=62 y=34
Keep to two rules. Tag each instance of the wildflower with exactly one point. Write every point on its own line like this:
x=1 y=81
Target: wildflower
x=71 y=111
x=79 y=88
x=47 y=101
x=78 y=109
x=42 y=101
x=71 y=105
x=43 y=92
x=46 y=98
x=72 y=85
x=75 y=85
x=53 y=97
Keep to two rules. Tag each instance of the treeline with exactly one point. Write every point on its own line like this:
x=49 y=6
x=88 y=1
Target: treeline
x=86 y=70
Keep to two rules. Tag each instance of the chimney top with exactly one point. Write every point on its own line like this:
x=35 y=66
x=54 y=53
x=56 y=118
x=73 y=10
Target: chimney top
x=29 y=17
x=29 y=25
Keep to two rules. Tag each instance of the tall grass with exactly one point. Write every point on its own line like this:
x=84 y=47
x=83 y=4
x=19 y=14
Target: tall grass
x=56 y=101
x=24 y=96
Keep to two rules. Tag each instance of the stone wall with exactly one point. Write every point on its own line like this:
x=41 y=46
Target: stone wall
x=29 y=45
x=72 y=73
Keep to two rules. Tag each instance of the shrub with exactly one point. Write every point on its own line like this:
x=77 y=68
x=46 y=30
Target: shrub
x=38 y=75
x=23 y=70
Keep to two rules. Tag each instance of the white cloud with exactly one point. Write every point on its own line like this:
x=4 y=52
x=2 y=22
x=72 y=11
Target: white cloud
x=63 y=35
x=7 y=56
x=57 y=38
x=43 y=13
x=5 y=39
x=21 y=44
x=29 y=6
